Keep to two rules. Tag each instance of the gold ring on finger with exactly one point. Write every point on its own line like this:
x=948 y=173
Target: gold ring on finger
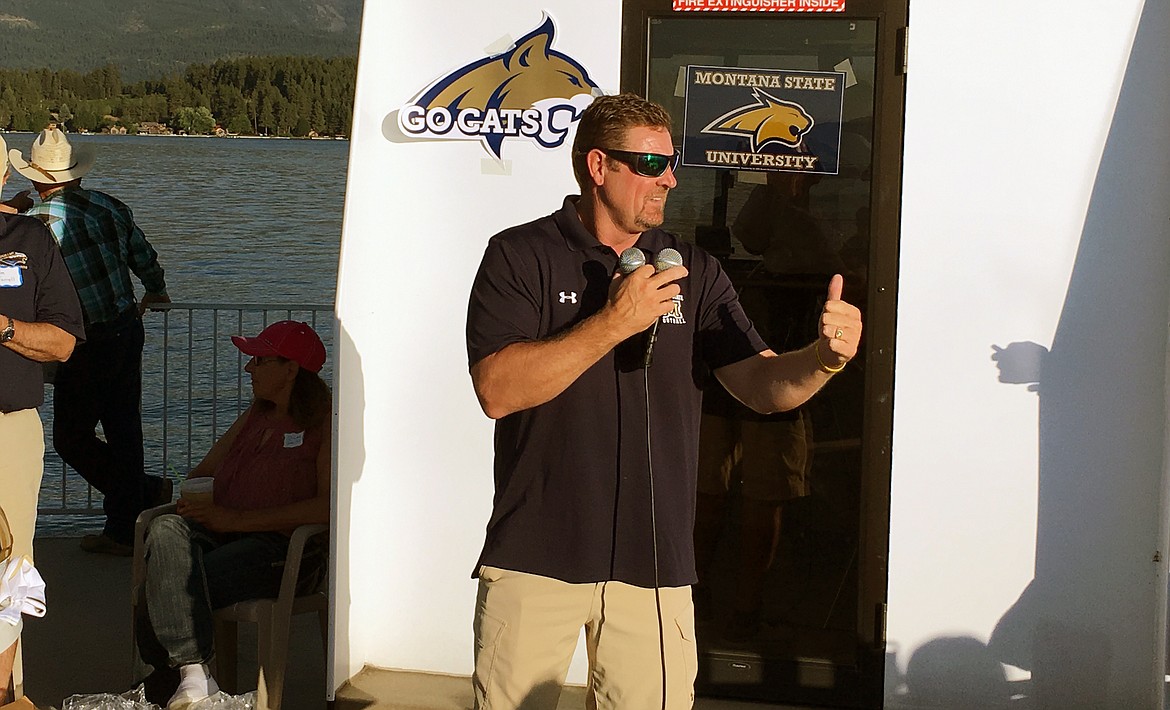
x=838 y=334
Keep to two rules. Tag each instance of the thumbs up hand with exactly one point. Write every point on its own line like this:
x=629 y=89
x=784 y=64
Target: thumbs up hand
x=840 y=329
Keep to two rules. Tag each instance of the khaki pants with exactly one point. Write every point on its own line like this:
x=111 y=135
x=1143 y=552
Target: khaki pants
x=526 y=630
x=24 y=440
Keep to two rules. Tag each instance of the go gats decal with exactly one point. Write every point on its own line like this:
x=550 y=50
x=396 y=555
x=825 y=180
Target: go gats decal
x=528 y=92
x=763 y=119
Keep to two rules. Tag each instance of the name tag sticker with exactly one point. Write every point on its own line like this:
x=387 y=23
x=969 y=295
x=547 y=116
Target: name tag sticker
x=11 y=277
x=294 y=439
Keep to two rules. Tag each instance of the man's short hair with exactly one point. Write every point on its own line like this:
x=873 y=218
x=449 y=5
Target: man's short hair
x=604 y=125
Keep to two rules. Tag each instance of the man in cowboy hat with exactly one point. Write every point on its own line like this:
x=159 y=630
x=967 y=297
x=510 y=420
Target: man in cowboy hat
x=40 y=321
x=102 y=382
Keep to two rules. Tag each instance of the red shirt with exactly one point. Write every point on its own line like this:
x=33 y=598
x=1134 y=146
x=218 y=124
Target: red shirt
x=272 y=462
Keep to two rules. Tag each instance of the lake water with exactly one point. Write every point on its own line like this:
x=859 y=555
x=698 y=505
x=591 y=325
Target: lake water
x=234 y=221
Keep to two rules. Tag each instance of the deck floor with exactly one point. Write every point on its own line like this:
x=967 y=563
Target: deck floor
x=376 y=689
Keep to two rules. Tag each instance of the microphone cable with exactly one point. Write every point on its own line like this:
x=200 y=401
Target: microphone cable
x=654 y=536
x=630 y=260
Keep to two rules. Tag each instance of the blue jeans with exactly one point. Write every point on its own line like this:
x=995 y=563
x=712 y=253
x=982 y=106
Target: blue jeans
x=190 y=571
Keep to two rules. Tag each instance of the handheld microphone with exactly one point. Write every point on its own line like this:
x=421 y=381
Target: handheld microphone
x=631 y=260
x=666 y=259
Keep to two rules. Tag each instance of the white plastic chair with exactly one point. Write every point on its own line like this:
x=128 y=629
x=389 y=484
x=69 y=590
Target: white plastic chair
x=273 y=617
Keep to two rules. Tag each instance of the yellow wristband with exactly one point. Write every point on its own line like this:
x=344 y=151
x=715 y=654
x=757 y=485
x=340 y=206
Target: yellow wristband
x=825 y=368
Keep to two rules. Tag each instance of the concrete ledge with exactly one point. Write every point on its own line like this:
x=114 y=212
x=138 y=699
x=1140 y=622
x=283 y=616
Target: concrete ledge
x=384 y=689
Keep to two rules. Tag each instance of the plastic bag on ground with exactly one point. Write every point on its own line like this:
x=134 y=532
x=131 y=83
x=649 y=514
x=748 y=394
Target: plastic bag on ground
x=130 y=700
x=136 y=700
x=223 y=701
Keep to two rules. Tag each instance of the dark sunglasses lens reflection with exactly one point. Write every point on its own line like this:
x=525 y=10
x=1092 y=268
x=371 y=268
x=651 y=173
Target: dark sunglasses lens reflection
x=654 y=164
x=651 y=164
x=646 y=164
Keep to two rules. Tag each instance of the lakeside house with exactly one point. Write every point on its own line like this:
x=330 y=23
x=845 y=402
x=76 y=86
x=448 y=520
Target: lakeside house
x=152 y=128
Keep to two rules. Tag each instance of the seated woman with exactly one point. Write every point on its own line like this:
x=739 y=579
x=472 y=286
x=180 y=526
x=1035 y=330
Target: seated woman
x=272 y=473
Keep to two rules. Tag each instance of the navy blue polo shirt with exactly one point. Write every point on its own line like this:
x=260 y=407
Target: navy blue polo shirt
x=572 y=486
x=35 y=288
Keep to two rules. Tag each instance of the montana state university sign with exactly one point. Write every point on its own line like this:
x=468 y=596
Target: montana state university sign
x=763 y=119
x=529 y=92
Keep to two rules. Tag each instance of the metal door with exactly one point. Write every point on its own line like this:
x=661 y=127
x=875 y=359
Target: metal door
x=791 y=128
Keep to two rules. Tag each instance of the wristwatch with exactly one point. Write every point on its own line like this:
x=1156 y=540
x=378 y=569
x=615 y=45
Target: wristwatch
x=8 y=332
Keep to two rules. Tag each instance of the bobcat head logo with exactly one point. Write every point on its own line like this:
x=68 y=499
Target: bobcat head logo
x=768 y=120
x=528 y=91
x=14 y=258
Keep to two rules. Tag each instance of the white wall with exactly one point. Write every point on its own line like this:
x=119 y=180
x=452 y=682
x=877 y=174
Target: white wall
x=1035 y=214
x=414 y=484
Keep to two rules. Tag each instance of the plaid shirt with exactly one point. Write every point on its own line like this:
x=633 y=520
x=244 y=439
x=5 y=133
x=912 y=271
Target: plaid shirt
x=101 y=245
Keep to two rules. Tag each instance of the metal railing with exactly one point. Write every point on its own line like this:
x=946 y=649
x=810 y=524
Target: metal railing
x=193 y=388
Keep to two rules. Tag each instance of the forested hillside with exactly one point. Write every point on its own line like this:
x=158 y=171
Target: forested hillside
x=147 y=39
x=277 y=96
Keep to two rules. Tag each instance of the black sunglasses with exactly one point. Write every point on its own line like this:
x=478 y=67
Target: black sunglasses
x=646 y=164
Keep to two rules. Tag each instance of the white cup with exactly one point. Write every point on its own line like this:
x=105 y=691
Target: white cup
x=197 y=490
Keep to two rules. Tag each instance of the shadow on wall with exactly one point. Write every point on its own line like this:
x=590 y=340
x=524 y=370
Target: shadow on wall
x=1087 y=626
x=956 y=673
x=350 y=385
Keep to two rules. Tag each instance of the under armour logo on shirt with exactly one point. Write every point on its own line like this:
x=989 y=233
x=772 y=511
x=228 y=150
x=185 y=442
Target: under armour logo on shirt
x=570 y=297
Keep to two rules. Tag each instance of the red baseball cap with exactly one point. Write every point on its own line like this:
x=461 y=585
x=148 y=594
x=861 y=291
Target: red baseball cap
x=289 y=339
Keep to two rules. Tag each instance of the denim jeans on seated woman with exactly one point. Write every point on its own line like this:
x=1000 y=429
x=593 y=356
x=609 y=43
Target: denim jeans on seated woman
x=191 y=571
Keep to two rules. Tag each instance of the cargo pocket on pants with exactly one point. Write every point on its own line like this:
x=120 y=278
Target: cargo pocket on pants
x=685 y=623
x=488 y=631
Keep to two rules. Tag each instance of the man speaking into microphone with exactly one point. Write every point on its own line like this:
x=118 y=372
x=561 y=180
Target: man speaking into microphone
x=596 y=436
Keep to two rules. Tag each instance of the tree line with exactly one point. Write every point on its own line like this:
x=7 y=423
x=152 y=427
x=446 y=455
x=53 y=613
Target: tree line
x=266 y=96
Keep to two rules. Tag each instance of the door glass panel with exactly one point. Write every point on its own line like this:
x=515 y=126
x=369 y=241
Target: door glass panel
x=779 y=510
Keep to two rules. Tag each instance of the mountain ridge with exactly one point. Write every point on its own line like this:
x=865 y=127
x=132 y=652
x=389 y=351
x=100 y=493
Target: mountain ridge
x=147 y=39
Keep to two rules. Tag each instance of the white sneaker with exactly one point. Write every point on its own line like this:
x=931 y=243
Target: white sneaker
x=197 y=684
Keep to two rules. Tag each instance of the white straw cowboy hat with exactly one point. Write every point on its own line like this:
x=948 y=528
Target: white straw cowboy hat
x=53 y=160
